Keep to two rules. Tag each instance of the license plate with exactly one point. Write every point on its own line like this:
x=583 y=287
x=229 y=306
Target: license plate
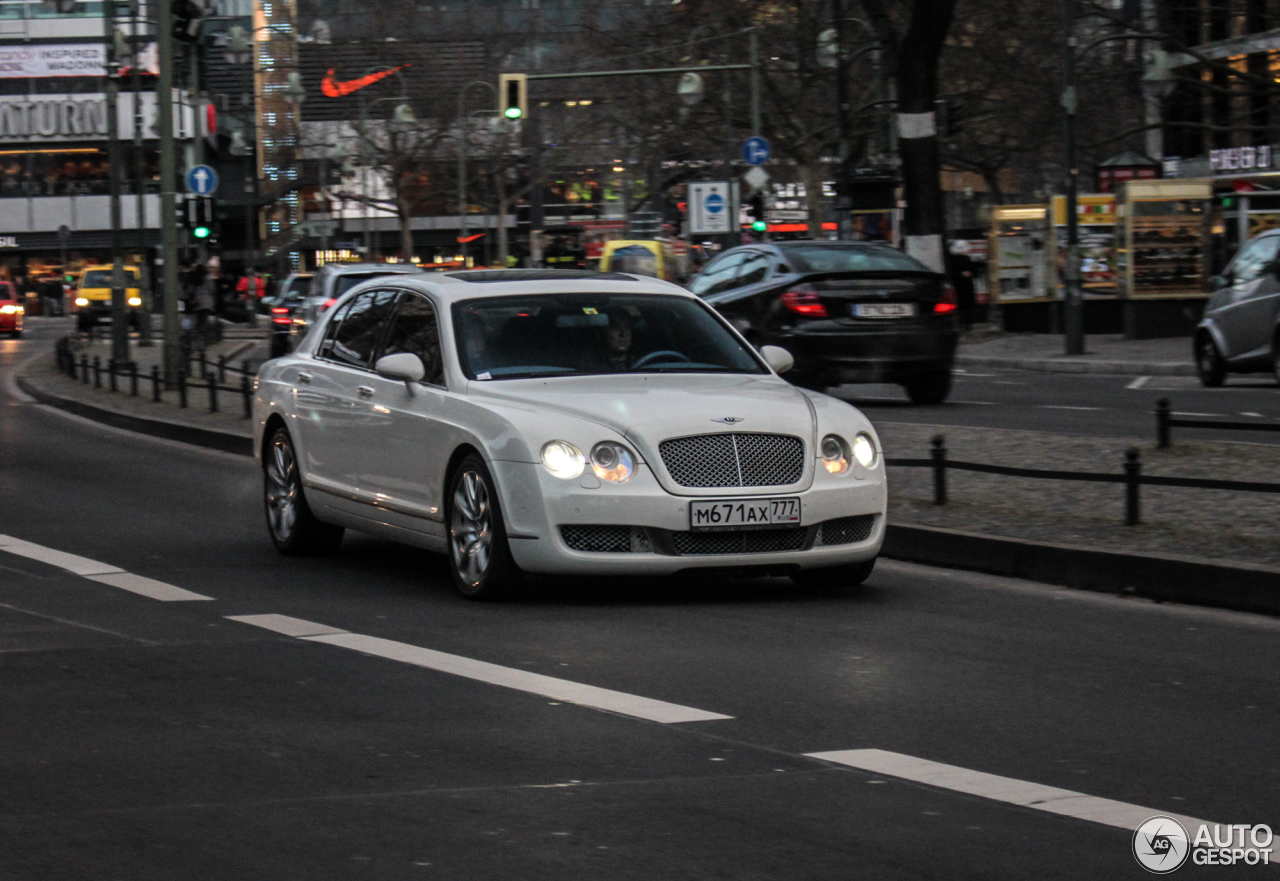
x=743 y=514
x=883 y=310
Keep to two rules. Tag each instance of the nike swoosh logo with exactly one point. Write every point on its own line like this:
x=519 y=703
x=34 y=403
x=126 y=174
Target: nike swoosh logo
x=335 y=89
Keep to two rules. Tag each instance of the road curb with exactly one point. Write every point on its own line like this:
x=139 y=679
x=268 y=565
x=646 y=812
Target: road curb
x=1245 y=587
x=1067 y=365
x=189 y=434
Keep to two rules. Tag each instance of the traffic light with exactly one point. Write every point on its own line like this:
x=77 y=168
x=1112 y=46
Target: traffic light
x=758 y=223
x=201 y=232
x=513 y=93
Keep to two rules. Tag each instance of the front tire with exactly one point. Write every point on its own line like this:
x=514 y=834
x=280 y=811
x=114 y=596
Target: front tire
x=835 y=577
x=480 y=558
x=929 y=388
x=1211 y=367
x=294 y=530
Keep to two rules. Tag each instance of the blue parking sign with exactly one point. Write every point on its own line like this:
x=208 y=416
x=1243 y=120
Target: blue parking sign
x=756 y=151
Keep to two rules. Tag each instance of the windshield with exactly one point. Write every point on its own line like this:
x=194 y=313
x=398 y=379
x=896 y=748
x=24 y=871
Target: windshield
x=582 y=334
x=852 y=258
x=101 y=278
x=636 y=259
x=297 y=288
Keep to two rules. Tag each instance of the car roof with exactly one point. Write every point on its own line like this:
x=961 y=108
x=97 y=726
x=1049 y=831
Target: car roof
x=343 y=268
x=472 y=283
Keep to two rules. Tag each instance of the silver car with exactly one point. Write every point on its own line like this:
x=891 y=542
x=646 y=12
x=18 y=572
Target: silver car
x=332 y=280
x=1240 y=331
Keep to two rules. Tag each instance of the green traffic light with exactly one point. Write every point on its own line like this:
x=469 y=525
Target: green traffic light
x=512 y=112
x=759 y=226
x=201 y=232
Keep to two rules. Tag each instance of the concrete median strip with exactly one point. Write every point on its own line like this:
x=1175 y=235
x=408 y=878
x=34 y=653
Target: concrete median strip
x=1036 y=796
x=482 y=671
x=102 y=573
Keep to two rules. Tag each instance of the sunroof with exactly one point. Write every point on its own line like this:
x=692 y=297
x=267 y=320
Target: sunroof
x=488 y=275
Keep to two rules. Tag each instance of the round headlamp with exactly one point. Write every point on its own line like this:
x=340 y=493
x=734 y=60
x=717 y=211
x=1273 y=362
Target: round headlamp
x=864 y=450
x=563 y=459
x=835 y=454
x=612 y=462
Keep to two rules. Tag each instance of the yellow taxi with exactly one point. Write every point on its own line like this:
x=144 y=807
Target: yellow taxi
x=93 y=295
x=651 y=257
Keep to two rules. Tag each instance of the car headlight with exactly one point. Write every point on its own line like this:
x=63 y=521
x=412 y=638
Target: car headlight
x=835 y=454
x=8 y=309
x=612 y=462
x=864 y=450
x=82 y=301
x=135 y=301
x=563 y=459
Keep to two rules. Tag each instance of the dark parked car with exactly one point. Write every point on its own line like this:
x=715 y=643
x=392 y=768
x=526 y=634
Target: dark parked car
x=283 y=308
x=1240 y=331
x=847 y=311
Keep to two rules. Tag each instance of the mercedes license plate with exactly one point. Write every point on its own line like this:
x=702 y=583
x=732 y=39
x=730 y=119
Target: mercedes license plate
x=883 y=310
x=743 y=514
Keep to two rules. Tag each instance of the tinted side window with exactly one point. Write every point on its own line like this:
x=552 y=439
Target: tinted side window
x=325 y=349
x=718 y=276
x=755 y=268
x=415 y=330
x=1255 y=259
x=357 y=336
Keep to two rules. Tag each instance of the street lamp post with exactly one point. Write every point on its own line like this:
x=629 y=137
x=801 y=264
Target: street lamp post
x=1073 y=302
x=463 y=121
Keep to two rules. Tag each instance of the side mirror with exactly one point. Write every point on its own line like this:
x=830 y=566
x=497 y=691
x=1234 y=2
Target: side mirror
x=403 y=366
x=778 y=358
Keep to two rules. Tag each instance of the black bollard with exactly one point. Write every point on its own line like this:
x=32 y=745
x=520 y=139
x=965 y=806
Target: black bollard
x=246 y=393
x=155 y=383
x=1133 y=481
x=1162 y=423
x=182 y=389
x=133 y=378
x=212 y=382
x=939 y=456
x=97 y=372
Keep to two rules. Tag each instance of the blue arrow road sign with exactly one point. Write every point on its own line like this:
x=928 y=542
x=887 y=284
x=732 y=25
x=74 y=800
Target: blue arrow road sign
x=756 y=151
x=202 y=180
x=714 y=203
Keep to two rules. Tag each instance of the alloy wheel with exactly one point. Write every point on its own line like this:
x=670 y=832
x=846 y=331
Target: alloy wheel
x=471 y=528
x=282 y=488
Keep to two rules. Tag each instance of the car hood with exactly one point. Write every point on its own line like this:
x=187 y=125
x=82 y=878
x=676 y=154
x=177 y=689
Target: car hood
x=649 y=408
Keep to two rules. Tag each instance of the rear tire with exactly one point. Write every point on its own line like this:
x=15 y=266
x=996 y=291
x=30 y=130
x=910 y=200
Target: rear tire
x=1211 y=367
x=17 y=334
x=294 y=530
x=929 y=388
x=480 y=558
x=835 y=577
x=84 y=322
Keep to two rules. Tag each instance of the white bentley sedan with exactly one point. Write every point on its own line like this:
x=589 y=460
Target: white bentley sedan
x=562 y=422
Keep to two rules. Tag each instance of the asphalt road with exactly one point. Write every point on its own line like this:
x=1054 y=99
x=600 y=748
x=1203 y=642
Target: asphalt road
x=144 y=739
x=1088 y=404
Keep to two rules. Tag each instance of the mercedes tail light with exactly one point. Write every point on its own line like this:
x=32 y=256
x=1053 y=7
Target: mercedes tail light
x=947 y=303
x=803 y=300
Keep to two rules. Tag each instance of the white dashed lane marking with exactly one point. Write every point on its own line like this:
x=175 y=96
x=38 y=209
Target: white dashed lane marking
x=1063 y=802
x=1065 y=407
x=102 y=573
x=1139 y=382
x=482 y=671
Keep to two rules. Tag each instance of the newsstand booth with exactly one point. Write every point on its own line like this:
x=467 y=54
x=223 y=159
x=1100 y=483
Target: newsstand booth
x=1021 y=271
x=1164 y=229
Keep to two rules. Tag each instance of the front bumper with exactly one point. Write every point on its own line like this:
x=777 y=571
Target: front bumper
x=536 y=506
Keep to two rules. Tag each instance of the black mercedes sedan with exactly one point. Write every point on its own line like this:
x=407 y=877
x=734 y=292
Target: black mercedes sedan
x=849 y=312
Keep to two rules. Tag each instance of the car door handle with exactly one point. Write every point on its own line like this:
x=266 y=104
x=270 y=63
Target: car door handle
x=365 y=391
x=304 y=378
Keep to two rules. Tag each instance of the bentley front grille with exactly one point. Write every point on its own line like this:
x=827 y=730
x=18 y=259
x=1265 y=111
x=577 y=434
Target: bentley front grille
x=734 y=460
